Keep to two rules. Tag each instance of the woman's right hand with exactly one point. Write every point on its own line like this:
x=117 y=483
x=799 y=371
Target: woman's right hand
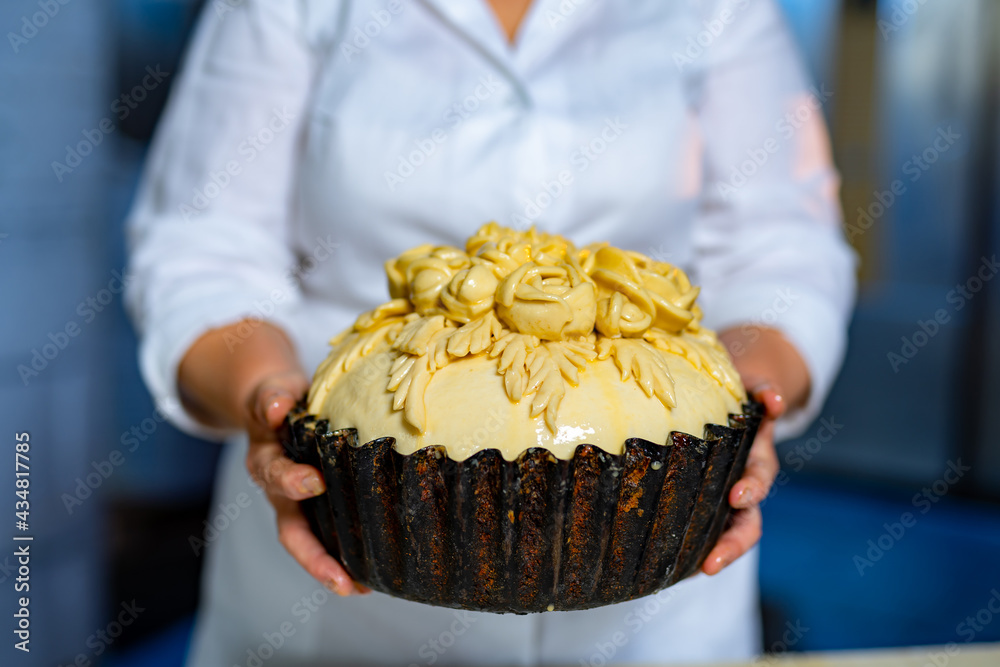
x=287 y=482
x=233 y=379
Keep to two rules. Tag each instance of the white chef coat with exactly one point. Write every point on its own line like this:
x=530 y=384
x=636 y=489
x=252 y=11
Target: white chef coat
x=307 y=141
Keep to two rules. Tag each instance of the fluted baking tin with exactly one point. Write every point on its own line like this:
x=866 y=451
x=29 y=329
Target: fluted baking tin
x=534 y=534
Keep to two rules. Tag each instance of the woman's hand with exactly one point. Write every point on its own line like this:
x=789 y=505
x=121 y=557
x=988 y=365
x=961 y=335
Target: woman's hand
x=231 y=378
x=287 y=482
x=774 y=374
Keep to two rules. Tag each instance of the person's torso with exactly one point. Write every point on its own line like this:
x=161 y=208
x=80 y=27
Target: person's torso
x=421 y=128
x=424 y=125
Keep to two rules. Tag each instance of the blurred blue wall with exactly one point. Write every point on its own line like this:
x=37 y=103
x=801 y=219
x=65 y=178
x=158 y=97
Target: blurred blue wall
x=836 y=553
x=53 y=256
x=61 y=260
x=61 y=242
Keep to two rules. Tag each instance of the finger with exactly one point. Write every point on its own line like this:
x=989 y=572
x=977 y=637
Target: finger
x=279 y=475
x=770 y=396
x=744 y=532
x=295 y=535
x=761 y=469
x=272 y=402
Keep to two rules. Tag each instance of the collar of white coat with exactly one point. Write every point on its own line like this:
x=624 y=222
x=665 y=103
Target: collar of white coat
x=547 y=24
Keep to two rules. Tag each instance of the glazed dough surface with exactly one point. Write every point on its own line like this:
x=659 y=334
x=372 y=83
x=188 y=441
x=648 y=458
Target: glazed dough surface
x=468 y=409
x=521 y=341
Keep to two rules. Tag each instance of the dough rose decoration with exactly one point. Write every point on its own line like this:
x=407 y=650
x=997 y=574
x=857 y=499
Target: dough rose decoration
x=540 y=307
x=552 y=302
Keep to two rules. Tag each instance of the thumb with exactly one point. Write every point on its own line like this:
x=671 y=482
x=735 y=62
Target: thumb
x=769 y=394
x=272 y=399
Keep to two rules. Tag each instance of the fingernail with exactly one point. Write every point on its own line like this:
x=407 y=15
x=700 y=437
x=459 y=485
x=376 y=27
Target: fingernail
x=272 y=404
x=345 y=587
x=722 y=562
x=337 y=589
x=311 y=485
x=745 y=498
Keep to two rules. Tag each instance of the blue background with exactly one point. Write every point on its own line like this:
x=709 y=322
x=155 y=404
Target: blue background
x=898 y=78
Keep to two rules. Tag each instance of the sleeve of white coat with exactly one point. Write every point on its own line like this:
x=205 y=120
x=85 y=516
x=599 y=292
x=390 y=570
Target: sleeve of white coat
x=769 y=244
x=208 y=234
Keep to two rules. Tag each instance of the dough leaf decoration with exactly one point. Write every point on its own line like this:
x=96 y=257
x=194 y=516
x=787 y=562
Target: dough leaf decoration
x=414 y=409
x=540 y=307
x=571 y=357
x=513 y=350
x=417 y=334
x=639 y=359
x=551 y=387
x=380 y=315
x=476 y=336
x=360 y=344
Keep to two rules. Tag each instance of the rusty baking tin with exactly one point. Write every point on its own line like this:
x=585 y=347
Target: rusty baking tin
x=534 y=534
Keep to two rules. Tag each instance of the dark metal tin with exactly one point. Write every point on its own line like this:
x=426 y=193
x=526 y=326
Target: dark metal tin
x=534 y=534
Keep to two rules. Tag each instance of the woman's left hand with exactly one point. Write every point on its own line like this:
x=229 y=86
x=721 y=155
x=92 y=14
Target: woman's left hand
x=774 y=374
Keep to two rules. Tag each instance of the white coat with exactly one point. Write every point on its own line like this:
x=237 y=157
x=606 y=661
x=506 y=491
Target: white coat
x=307 y=141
